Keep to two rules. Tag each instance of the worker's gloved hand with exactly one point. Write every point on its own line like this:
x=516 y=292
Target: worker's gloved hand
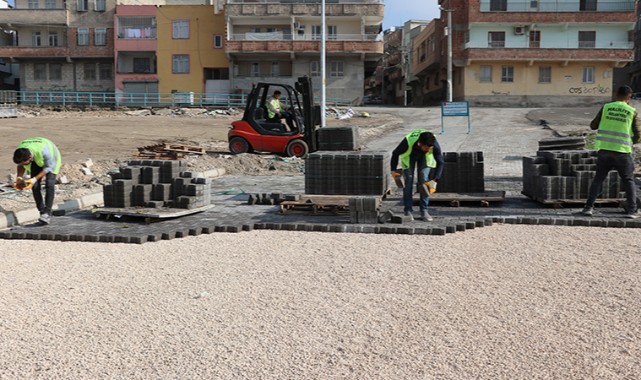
x=431 y=186
x=20 y=183
x=398 y=178
x=396 y=173
x=29 y=183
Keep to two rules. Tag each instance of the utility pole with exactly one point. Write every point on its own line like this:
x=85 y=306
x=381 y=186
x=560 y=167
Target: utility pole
x=449 y=53
x=323 y=69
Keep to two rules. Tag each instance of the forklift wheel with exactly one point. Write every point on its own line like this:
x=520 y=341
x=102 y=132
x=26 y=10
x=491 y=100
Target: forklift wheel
x=238 y=145
x=297 y=148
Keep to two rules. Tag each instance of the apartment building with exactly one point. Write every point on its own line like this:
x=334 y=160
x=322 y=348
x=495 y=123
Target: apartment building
x=429 y=65
x=534 y=53
x=390 y=73
x=279 y=40
x=59 y=45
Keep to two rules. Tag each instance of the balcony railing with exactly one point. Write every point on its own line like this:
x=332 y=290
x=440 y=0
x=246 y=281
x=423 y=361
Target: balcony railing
x=275 y=36
x=556 y=6
x=304 y=1
x=137 y=33
x=538 y=45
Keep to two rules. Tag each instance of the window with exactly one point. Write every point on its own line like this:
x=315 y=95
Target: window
x=50 y=4
x=485 y=74
x=255 y=70
x=40 y=71
x=53 y=38
x=106 y=71
x=83 y=36
x=142 y=65
x=587 y=39
x=180 y=29
x=332 y=32
x=498 y=5
x=316 y=32
x=36 y=39
x=100 y=5
x=55 y=71
x=180 y=64
x=90 y=71
x=100 y=36
x=587 y=5
x=218 y=41
x=535 y=38
x=34 y=4
x=507 y=74
x=275 y=69
x=496 y=39
x=336 y=69
x=221 y=73
x=83 y=5
x=588 y=74
x=236 y=70
x=314 y=69
x=545 y=74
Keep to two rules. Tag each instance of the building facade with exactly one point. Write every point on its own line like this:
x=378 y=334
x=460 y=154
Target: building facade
x=533 y=53
x=278 y=41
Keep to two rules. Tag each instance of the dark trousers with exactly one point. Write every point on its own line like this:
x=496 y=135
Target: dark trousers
x=44 y=206
x=623 y=163
x=417 y=164
x=288 y=119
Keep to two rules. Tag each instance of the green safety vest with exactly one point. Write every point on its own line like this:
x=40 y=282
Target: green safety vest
x=275 y=103
x=615 y=128
x=412 y=138
x=36 y=146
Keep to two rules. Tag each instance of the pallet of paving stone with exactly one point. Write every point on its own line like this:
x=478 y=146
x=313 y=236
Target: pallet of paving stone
x=455 y=199
x=148 y=214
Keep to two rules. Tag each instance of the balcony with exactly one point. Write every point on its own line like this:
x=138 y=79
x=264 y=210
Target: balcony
x=12 y=18
x=556 y=6
x=618 y=55
x=582 y=44
x=279 y=8
x=300 y=46
x=555 y=12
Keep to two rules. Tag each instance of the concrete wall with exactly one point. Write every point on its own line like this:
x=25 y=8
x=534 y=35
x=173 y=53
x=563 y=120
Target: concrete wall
x=73 y=78
x=566 y=86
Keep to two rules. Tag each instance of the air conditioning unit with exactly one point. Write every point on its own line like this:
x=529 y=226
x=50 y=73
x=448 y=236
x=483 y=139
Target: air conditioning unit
x=519 y=30
x=296 y=25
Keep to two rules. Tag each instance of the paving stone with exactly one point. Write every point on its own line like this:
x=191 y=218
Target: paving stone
x=470 y=225
x=405 y=230
x=450 y=229
x=439 y=231
x=461 y=227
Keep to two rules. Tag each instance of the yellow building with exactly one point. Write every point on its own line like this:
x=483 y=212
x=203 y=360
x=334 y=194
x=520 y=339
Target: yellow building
x=191 y=50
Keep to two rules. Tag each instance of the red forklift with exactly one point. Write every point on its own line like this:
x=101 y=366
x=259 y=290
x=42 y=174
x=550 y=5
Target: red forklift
x=256 y=133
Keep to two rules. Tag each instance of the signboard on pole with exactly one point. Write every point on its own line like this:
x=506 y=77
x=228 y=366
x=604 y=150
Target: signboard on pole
x=455 y=109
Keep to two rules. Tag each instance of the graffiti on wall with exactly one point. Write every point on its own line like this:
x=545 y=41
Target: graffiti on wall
x=585 y=90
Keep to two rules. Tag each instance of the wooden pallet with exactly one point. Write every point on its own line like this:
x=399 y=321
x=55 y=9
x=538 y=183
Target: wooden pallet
x=148 y=214
x=318 y=204
x=184 y=148
x=455 y=199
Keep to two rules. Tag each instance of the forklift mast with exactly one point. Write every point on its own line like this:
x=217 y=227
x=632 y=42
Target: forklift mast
x=311 y=112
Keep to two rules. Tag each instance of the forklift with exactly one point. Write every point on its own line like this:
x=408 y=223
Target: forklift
x=256 y=133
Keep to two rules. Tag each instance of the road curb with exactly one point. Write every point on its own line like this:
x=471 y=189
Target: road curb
x=13 y=218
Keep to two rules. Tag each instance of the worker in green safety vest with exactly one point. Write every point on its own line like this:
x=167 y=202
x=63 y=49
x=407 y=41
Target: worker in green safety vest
x=40 y=158
x=418 y=151
x=276 y=111
x=618 y=128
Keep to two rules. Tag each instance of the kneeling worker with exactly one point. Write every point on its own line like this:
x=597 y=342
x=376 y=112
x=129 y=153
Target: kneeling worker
x=418 y=151
x=40 y=158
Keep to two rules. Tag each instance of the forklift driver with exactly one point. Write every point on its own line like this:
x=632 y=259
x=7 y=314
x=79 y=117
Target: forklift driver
x=275 y=111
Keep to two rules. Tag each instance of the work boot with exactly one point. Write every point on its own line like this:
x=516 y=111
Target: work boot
x=587 y=211
x=45 y=219
x=409 y=214
x=426 y=216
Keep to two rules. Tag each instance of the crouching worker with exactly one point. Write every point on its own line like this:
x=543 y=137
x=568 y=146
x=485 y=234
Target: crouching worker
x=40 y=158
x=419 y=152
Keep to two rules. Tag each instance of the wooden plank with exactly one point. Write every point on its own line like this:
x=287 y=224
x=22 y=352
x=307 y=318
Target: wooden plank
x=489 y=196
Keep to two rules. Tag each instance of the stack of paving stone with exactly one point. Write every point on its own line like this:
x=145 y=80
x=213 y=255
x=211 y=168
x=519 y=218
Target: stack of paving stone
x=565 y=175
x=347 y=173
x=463 y=172
x=156 y=184
x=338 y=138
x=364 y=209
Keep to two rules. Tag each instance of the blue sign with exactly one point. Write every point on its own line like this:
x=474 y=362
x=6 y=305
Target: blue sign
x=455 y=109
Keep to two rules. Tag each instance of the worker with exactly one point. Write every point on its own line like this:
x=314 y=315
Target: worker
x=618 y=128
x=275 y=111
x=418 y=151
x=40 y=158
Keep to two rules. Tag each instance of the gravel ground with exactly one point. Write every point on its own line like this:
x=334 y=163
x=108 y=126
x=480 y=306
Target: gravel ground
x=502 y=302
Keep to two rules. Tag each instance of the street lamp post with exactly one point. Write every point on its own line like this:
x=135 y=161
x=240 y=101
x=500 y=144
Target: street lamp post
x=449 y=53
